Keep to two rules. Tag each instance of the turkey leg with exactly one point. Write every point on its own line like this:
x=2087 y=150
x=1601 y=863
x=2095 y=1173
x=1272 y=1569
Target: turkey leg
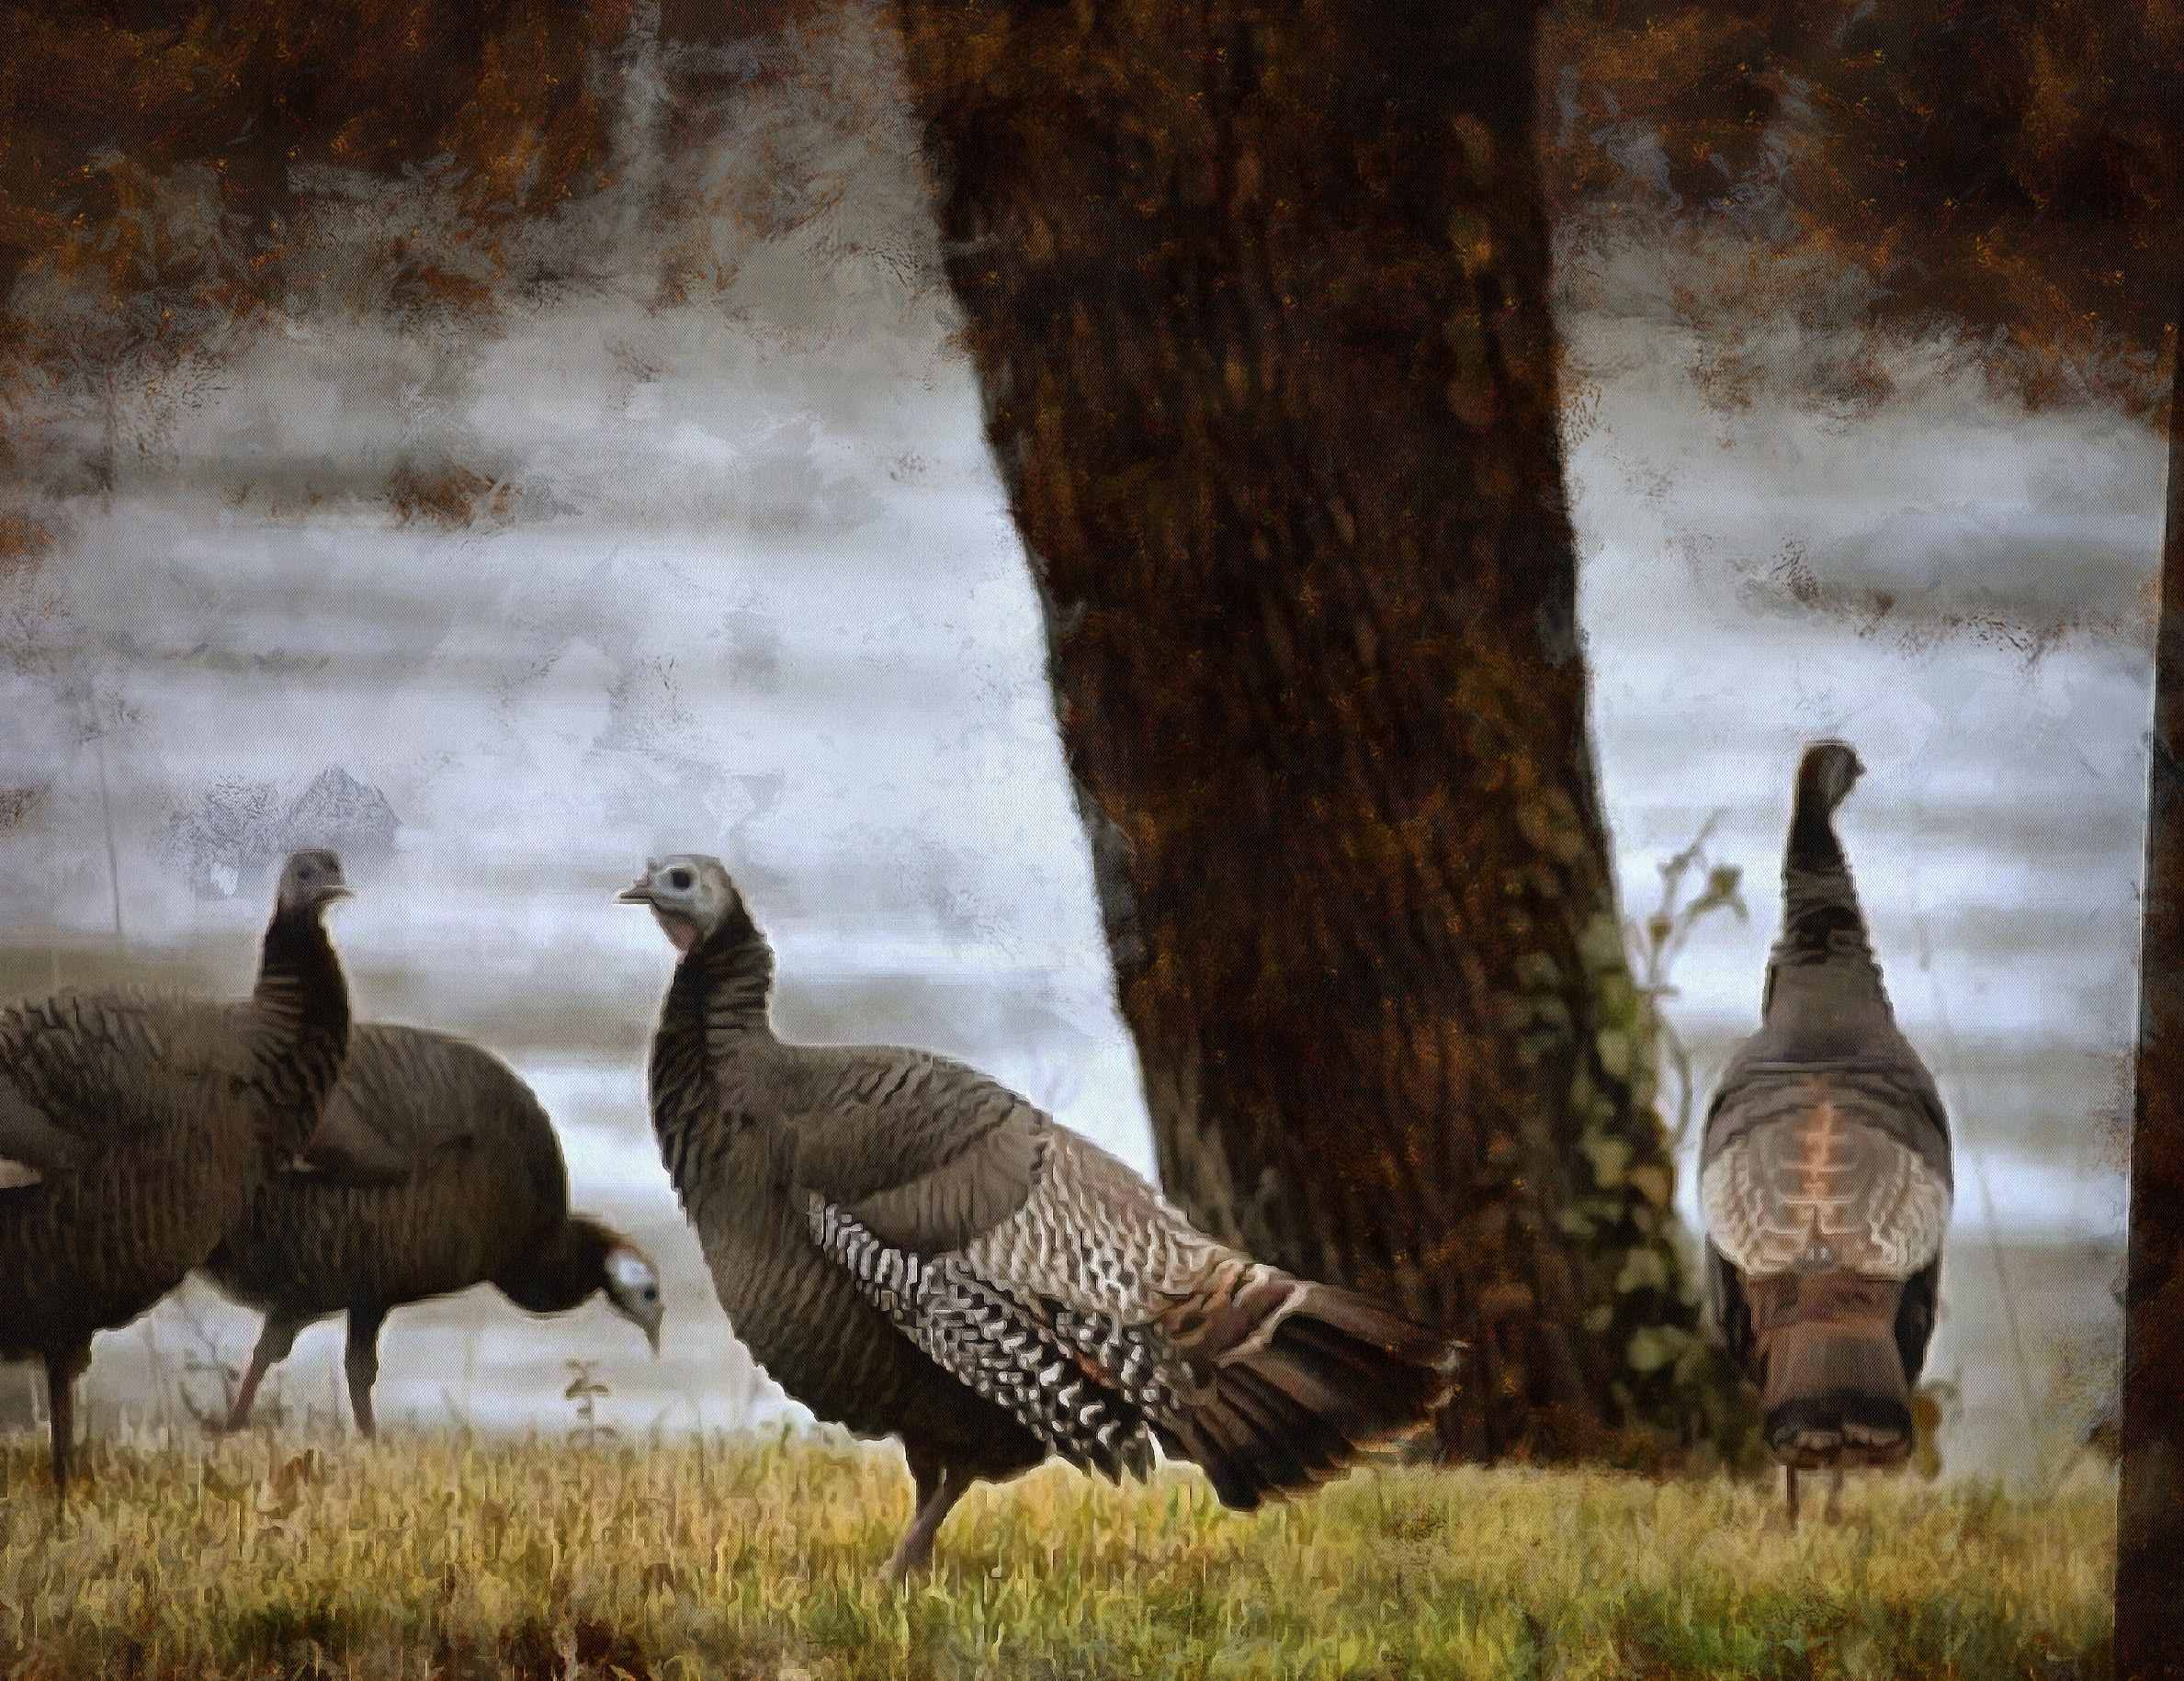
x=63 y=1367
x=938 y=1490
x=276 y=1337
x=361 y=1360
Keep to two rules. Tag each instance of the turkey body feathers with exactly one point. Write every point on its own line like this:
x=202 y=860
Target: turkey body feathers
x=156 y=1157
x=1826 y=1170
x=139 y=1125
x=93 y=1071
x=1820 y=1167
x=910 y=1248
x=1047 y=1277
x=434 y=1169
x=804 y=1317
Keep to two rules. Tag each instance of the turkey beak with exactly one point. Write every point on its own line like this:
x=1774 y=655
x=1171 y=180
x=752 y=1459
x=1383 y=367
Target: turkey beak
x=333 y=894
x=652 y=1336
x=639 y=892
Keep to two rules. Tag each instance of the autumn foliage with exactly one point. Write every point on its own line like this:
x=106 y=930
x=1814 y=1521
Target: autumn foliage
x=2003 y=172
x=1995 y=170
x=100 y=98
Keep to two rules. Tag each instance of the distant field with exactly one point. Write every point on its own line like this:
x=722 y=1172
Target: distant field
x=435 y=1557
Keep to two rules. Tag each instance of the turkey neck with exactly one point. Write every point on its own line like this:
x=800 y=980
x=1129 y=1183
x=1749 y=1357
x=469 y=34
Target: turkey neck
x=1823 y=935
x=733 y=967
x=718 y=1007
x=562 y=1273
x=302 y=1010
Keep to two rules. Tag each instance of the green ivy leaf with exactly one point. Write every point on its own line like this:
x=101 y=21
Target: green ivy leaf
x=1654 y=1346
x=1642 y=1270
x=1610 y=1155
x=1652 y=1181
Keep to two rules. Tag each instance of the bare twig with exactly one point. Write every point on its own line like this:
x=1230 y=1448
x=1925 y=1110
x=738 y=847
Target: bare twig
x=1659 y=940
x=585 y=1390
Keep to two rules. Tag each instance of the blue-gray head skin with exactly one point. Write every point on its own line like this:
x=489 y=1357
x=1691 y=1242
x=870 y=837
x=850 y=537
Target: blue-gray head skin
x=311 y=881
x=633 y=1291
x=689 y=893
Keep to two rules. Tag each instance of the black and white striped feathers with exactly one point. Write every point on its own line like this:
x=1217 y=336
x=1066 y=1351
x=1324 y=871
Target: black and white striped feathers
x=1082 y=1386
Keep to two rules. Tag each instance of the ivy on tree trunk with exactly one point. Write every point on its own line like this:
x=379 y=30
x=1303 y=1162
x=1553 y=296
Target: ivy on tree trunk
x=1257 y=295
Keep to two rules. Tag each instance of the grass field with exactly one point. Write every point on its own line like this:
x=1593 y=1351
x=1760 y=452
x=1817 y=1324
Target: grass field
x=435 y=1557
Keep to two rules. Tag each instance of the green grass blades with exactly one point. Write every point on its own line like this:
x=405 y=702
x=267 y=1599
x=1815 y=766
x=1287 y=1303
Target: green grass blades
x=435 y=1557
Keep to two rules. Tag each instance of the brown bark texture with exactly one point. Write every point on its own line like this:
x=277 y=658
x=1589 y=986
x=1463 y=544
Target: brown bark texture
x=1257 y=295
x=2150 y=1516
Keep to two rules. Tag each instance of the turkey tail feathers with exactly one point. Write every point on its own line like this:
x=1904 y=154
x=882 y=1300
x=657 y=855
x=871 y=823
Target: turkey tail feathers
x=1833 y=1389
x=1298 y=1381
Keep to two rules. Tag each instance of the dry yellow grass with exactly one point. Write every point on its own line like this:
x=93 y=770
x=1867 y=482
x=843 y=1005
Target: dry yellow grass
x=438 y=1557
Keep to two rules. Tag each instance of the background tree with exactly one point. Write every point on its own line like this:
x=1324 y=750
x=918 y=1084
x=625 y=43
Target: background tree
x=164 y=169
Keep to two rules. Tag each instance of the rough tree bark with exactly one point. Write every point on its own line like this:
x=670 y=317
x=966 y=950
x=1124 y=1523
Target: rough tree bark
x=1257 y=294
x=2150 y=1514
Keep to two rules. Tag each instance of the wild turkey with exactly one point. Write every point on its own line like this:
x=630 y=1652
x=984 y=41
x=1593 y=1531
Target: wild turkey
x=1825 y=1174
x=133 y=1129
x=910 y=1248
x=434 y=1169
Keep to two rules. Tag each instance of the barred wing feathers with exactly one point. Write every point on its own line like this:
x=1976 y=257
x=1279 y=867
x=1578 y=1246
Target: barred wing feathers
x=84 y=1073
x=406 y=1103
x=1045 y=1275
x=1817 y=1167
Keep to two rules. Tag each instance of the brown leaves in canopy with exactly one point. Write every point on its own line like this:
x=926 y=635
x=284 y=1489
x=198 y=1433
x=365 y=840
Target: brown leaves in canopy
x=453 y=498
x=23 y=541
x=2007 y=168
x=97 y=98
x=1998 y=167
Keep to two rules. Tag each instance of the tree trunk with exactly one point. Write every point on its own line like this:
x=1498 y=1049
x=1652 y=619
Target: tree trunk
x=2150 y=1516
x=1258 y=298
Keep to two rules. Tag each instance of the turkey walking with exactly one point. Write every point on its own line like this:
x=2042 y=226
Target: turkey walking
x=134 y=1127
x=910 y=1248
x=434 y=1169
x=1825 y=1174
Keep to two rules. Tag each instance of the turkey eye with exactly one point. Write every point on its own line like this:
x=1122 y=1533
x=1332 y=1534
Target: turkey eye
x=678 y=879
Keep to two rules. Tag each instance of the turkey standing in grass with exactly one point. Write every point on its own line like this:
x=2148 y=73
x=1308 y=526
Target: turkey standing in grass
x=1825 y=1174
x=910 y=1248
x=133 y=1129
x=434 y=1169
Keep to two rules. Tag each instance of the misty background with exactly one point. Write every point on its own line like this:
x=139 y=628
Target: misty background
x=501 y=603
